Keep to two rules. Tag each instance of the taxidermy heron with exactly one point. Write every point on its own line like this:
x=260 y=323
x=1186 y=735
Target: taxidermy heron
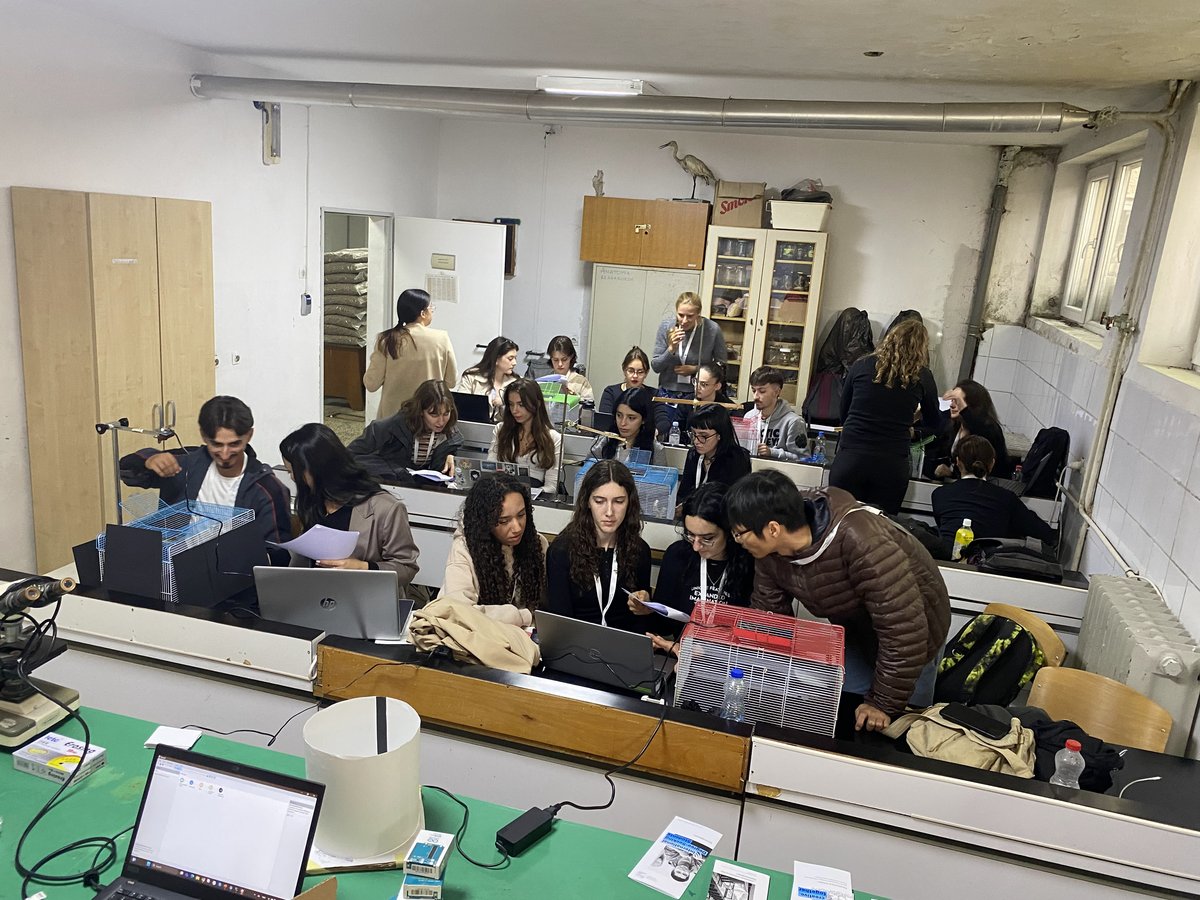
x=693 y=165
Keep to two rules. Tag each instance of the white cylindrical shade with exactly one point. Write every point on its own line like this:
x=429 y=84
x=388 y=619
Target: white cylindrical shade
x=372 y=800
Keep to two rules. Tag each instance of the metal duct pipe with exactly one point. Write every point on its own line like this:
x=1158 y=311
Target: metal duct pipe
x=556 y=109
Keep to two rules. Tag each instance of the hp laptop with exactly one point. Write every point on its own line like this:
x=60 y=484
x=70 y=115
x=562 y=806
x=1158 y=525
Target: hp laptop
x=472 y=407
x=209 y=829
x=356 y=603
x=605 y=655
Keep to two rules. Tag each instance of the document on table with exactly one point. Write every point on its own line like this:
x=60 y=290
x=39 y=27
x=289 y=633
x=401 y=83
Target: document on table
x=674 y=859
x=183 y=738
x=320 y=542
x=811 y=882
x=673 y=614
x=729 y=880
x=431 y=475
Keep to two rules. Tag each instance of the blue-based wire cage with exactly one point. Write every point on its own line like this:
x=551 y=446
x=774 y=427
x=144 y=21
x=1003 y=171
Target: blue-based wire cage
x=182 y=526
x=657 y=486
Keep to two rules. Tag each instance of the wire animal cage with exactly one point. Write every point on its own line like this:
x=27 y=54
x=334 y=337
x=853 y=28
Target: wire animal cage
x=182 y=527
x=795 y=667
x=747 y=434
x=657 y=486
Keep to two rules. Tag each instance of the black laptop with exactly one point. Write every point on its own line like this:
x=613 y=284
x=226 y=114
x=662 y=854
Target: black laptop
x=610 y=656
x=473 y=407
x=210 y=829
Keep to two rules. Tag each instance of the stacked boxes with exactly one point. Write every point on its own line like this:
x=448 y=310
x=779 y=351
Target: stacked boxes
x=425 y=865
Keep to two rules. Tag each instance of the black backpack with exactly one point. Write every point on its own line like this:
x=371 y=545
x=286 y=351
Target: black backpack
x=849 y=338
x=988 y=661
x=1044 y=463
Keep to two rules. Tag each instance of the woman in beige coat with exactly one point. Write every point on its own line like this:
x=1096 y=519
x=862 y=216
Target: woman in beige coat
x=409 y=354
x=497 y=558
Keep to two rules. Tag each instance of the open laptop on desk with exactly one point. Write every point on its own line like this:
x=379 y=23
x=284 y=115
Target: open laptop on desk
x=472 y=407
x=209 y=829
x=355 y=603
x=606 y=655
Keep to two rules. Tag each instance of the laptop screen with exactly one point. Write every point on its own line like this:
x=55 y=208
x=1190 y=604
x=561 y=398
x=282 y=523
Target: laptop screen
x=234 y=832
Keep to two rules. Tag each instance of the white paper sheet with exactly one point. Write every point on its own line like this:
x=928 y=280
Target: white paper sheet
x=673 y=614
x=320 y=542
x=733 y=881
x=183 y=738
x=810 y=882
x=431 y=475
x=674 y=859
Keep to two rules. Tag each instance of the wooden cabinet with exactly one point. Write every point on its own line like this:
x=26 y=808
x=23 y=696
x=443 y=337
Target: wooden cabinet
x=763 y=287
x=667 y=234
x=115 y=300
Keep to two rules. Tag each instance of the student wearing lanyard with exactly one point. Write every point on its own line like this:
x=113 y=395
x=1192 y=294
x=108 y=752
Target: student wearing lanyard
x=707 y=562
x=684 y=343
x=497 y=558
x=635 y=424
x=635 y=366
x=600 y=559
x=423 y=435
x=781 y=432
x=710 y=388
x=715 y=455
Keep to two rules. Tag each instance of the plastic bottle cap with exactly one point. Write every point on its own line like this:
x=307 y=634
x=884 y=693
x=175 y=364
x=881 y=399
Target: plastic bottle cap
x=966 y=523
x=736 y=673
x=1074 y=745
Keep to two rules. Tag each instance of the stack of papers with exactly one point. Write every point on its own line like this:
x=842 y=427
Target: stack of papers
x=674 y=859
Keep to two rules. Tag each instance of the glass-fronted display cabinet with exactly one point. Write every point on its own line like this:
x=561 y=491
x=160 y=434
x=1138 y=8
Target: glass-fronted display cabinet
x=763 y=287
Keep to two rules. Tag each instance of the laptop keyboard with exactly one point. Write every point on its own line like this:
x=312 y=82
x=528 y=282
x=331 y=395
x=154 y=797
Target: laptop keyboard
x=131 y=894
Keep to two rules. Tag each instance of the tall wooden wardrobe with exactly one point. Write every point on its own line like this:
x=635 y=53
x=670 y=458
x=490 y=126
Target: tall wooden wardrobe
x=116 y=306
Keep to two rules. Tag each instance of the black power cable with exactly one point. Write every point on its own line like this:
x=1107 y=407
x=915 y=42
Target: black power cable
x=462 y=830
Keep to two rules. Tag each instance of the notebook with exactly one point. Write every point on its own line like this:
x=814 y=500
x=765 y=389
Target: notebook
x=354 y=603
x=606 y=655
x=210 y=829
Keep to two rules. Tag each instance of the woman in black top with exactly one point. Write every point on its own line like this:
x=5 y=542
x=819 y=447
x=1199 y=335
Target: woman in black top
x=635 y=367
x=710 y=388
x=600 y=559
x=715 y=456
x=879 y=401
x=994 y=512
x=971 y=412
x=634 y=423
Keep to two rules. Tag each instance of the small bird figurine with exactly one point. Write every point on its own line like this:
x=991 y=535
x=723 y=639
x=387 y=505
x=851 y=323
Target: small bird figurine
x=598 y=182
x=693 y=165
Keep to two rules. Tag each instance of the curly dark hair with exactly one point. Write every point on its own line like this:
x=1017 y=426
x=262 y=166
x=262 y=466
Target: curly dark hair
x=480 y=514
x=580 y=533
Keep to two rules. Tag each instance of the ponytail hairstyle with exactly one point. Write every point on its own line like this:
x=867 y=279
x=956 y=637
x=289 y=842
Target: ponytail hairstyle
x=409 y=306
x=975 y=455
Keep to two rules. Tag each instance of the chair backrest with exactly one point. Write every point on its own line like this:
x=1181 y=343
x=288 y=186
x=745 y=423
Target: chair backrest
x=1050 y=643
x=1104 y=708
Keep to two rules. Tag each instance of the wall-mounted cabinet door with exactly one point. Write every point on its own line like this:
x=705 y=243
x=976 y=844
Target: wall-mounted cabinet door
x=676 y=233
x=665 y=234
x=612 y=230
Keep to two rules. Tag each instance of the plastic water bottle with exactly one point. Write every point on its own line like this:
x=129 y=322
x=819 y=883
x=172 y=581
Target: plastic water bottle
x=735 y=696
x=1068 y=763
x=962 y=538
x=819 y=449
x=674 y=438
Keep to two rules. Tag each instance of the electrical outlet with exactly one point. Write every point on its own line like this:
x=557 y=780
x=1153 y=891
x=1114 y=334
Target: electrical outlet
x=236 y=359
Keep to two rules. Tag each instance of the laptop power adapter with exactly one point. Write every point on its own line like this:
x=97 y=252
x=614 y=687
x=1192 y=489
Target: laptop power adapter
x=525 y=830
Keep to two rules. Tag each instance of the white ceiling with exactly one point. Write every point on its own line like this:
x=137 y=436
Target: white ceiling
x=1087 y=45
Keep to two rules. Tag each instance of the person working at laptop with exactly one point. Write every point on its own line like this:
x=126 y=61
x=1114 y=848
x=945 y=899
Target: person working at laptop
x=845 y=562
x=224 y=471
x=335 y=491
x=422 y=435
x=492 y=373
x=497 y=558
x=600 y=559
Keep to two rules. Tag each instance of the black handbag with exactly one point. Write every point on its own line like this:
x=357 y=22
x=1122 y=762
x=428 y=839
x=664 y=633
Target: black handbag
x=1003 y=556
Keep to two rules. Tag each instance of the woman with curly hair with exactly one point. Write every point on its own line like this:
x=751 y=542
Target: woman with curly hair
x=882 y=394
x=600 y=560
x=497 y=558
x=524 y=436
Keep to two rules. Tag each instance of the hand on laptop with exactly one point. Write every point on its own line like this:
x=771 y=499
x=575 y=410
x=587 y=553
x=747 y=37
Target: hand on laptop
x=342 y=564
x=666 y=645
x=637 y=603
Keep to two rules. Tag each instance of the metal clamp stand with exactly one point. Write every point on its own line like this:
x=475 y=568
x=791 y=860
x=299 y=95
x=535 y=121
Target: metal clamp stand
x=122 y=424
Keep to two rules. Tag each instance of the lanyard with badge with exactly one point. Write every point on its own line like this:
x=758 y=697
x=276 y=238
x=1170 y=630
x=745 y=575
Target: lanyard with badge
x=612 y=591
x=704 y=582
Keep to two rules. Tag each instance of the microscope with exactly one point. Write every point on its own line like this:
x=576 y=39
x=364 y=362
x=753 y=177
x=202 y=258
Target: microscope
x=24 y=712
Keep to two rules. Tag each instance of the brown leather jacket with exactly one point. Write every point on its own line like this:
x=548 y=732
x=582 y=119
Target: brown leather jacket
x=870 y=576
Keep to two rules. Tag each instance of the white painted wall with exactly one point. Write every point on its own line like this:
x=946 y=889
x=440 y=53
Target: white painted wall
x=93 y=107
x=905 y=230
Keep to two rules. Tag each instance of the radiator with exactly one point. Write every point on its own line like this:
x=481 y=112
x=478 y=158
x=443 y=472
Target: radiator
x=1130 y=635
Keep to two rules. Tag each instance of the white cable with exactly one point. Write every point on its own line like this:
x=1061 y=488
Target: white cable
x=1121 y=793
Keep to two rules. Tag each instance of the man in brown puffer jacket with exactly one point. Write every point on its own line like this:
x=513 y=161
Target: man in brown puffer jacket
x=847 y=563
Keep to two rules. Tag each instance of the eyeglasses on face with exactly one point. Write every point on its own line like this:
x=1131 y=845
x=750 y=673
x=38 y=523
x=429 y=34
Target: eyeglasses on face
x=631 y=370
x=702 y=437
x=739 y=533
x=705 y=540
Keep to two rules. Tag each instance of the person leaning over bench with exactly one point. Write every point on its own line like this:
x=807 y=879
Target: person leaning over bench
x=846 y=562
x=224 y=471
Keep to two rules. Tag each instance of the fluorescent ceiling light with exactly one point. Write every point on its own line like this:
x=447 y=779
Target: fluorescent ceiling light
x=582 y=84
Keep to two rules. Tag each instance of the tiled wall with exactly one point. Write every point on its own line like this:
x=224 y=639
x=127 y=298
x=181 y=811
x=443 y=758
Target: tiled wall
x=1148 y=500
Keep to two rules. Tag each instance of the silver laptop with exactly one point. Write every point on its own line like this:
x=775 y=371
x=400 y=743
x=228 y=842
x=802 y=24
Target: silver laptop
x=357 y=603
x=210 y=829
x=607 y=655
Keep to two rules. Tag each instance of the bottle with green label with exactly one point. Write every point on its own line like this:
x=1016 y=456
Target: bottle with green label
x=962 y=538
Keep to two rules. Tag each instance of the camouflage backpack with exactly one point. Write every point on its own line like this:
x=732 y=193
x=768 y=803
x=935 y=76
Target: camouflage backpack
x=988 y=661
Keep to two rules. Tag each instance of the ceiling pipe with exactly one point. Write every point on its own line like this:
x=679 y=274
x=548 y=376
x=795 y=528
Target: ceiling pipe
x=657 y=110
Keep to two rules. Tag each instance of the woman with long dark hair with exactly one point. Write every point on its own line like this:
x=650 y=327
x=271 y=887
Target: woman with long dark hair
x=335 y=491
x=600 y=559
x=492 y=373
x=409 y=353
x=497 y=558
x=716 y=455
x=524 y=435
x=705 y=563
x=422 y=435
x=635 y=367
x=710 y=388
x=634 y=422
x=972 y=413
x=880 y=398
x=563 y=359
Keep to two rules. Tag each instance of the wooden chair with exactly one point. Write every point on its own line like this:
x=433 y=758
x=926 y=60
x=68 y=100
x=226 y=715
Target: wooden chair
x=1104 y=708
x=1050 y=643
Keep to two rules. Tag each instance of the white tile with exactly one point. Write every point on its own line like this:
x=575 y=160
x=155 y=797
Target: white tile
x=1180 y=433
x=1096 y=394
x=1137 y=546
x=1166 y=519
x=1193 y=479
x=1006 y=341
x=1129 y=417
x=1189 y=615
x=1083 y=432
x=1156 y=568
x=1004 y=405
x=1081 y=387
x=1001 y=374
x=1174 y=588
x=1185 y=550
x=981 y=370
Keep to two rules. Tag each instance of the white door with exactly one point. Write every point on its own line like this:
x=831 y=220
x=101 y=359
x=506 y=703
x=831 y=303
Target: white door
x=468 y=298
